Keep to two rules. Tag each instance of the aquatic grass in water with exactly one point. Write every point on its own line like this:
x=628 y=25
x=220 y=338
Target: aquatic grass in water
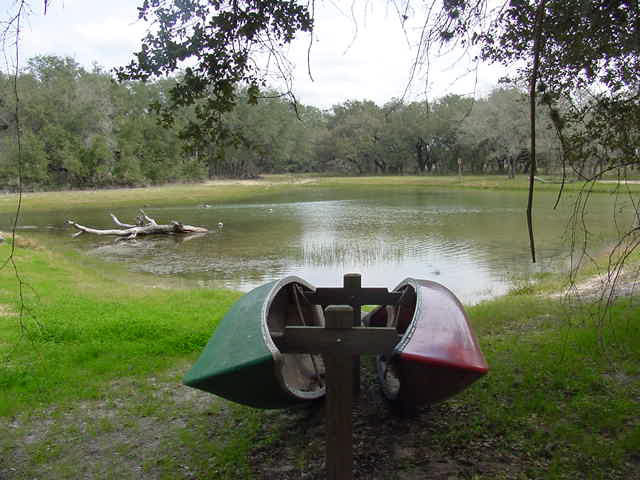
x=471 y=241
x=369 y=253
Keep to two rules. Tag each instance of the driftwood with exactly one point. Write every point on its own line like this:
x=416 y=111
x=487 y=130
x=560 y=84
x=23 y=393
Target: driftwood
x=145 y=225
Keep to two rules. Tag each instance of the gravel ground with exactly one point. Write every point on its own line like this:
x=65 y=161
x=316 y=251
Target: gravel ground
x=603 y=287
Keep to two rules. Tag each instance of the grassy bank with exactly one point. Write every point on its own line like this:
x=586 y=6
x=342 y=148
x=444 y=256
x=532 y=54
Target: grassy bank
x=235 y=191
x=90 y=382
x=82 y=327
x=96 y=373
x=564 y=387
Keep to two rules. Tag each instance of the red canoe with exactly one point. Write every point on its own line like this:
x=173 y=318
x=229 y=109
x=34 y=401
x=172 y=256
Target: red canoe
x=438 y=355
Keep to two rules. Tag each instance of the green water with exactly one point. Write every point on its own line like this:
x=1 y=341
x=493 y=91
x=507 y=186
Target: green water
x=474 y=242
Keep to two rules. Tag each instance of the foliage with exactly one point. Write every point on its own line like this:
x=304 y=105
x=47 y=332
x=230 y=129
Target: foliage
x=83 y=130
x=450 y=134
x=588 y=74
x=497 y=132
x=218 y=40
x=586 y=47
x=223 y=120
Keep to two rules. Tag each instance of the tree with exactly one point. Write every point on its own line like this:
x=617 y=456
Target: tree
x=497 y=133
x=586 y=47
x=32 y=164
x=447 y=116
x=407 y=127
x=276 y=137
x=560 y=48
x=355 y=131
x=220 y=38
x=69 y=111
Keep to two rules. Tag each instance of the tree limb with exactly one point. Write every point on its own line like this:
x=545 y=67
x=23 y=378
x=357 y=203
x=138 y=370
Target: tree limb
x=119 y=223
x=537 y=48
x=146 y=218
x=151 y=227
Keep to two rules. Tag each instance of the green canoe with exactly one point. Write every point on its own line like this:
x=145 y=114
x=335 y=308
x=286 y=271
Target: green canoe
x=241 y=361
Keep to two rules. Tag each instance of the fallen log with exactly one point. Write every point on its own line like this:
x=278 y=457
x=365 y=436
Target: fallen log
x=145 y=225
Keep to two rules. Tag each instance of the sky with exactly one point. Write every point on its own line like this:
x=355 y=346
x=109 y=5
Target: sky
x=355 y=55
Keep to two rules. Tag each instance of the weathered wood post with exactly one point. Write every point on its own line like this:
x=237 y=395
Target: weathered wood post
x=352 y=284
x=340 y=342
x=339 y=401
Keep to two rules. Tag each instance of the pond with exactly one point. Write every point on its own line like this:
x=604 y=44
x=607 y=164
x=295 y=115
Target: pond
x=474 y=242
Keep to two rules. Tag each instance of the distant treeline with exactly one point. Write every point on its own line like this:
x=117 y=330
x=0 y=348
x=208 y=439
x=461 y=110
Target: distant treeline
x=81 y=129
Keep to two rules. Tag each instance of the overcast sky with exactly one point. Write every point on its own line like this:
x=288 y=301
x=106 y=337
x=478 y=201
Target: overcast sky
x=355 y=55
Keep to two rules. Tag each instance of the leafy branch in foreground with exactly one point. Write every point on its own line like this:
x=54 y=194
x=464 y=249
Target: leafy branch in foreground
x=582 y=59
x=215 y=46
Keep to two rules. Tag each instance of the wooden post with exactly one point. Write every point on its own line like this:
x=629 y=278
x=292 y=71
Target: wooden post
x=339 y=401
x=341 y=342
x=353 y=281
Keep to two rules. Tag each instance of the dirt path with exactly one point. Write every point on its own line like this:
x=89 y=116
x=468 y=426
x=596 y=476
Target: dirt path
x=263 y=182
x=156 y=428
x=606 y=286
x=132 y=432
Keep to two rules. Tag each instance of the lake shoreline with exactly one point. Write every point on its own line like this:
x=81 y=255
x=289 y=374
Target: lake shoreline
x=386 y=228
x=115 y=408
x=93 y=370
x=228 y=190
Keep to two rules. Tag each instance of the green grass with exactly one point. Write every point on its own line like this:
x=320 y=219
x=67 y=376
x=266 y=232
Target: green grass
x=235 y=191
x=563 y=387
x=561 y=398
x=97 y=357
x=83 y=327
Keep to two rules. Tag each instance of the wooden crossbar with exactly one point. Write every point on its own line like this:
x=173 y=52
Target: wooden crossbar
x=353 y=297
x=354 y=340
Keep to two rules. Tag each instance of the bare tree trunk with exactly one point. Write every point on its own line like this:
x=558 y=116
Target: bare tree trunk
x=144 y=226
x=422 y=155
x=537 y=48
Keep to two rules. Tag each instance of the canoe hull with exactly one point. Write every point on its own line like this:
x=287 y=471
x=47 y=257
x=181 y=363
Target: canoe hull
x=438 y=355
x=241 y=362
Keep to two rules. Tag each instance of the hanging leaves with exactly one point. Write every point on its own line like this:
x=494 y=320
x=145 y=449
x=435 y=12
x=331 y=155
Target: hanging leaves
x=211 y=45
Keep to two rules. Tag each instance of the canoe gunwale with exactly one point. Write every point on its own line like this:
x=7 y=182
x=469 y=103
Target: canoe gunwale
x=413 y=325
x=408 y=367
x=277 y=355
x=435 y=362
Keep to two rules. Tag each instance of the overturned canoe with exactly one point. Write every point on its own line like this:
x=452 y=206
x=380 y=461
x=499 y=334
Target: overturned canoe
x=241 y=361
x=438 y=354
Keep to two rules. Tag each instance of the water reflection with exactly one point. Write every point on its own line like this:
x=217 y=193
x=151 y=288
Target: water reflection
x=473 y=242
